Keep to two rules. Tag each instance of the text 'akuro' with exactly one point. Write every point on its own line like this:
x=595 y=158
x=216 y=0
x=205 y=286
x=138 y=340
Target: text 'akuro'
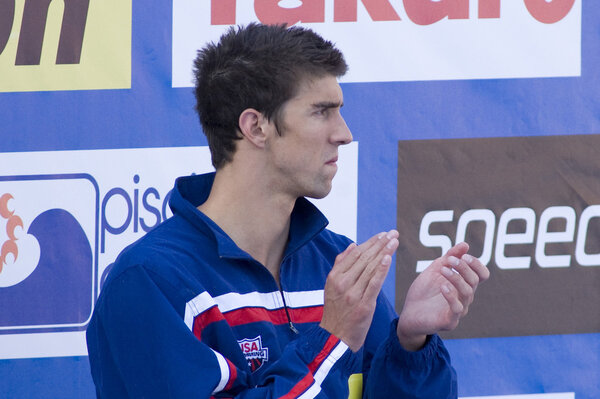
x=421 y=12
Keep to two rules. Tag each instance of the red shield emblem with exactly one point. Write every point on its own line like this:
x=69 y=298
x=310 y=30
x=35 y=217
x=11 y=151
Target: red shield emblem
x=254 y=352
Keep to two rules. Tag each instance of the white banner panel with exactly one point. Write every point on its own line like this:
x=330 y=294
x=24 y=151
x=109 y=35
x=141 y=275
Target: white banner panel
x=66 y=215
x=563 y=395
x=405 y=40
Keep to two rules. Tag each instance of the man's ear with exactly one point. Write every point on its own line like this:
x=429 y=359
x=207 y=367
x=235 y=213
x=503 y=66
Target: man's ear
x=252 y=125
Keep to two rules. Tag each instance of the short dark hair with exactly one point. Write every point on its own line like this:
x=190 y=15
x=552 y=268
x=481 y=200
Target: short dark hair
x=257 y=66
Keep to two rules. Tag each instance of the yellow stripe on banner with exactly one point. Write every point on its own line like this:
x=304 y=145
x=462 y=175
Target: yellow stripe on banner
x=98 y=43
x=355 y=383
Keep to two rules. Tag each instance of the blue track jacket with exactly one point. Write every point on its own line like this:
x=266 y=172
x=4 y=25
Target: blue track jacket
x=185 y=313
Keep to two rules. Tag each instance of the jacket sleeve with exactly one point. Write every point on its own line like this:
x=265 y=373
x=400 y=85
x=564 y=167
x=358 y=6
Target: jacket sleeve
x=389 y=371
x=140 y=347
x=316 y=365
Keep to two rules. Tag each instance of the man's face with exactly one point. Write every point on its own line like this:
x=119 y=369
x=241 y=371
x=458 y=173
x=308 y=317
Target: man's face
x=305 y=154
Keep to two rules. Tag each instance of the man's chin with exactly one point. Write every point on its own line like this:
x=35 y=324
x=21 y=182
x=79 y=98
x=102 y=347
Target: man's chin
x=319 y=194
x=316 y=196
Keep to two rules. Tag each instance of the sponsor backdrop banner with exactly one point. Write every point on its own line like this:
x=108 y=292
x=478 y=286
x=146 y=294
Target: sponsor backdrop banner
x=477 y=120
x=443 y=39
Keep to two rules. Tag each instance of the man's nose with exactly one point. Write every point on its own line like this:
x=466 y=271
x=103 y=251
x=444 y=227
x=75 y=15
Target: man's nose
x=342 y=135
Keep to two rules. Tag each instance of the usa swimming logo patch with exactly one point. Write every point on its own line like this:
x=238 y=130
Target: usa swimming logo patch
x=254 y=352
x=48 y=252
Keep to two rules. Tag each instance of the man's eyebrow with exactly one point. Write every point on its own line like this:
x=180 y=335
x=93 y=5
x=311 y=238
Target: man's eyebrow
x=328 y=104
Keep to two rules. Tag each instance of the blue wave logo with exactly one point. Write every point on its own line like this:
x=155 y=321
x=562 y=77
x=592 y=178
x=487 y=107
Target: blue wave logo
x=48 y=261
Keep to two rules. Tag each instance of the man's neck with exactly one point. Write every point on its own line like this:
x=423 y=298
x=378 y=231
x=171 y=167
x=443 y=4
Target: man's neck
x=255 y=218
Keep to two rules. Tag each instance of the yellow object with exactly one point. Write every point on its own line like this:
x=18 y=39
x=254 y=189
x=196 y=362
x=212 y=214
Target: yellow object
x=105 y=58
x=355 y=383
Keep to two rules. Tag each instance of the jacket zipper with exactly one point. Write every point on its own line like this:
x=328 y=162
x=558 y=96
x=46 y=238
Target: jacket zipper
x=290 y=324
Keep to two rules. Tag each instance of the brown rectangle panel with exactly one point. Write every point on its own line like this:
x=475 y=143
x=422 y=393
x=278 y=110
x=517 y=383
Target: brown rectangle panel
x=512 y=176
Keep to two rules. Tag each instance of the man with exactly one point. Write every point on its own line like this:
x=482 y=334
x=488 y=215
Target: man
x=243 y=292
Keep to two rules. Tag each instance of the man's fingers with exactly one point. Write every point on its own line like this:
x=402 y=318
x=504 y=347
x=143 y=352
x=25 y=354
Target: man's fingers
x=464 y=290
x=342 y=255
x=458 y=250
x=373 y=258
x=372 y=285
x=472 y=270
x=352 y=254
x=456 y=306
x=370 y=280
x=479 y=268
x=360 y=270
x=362 y=256
x=356 y=270
x=464 y=269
